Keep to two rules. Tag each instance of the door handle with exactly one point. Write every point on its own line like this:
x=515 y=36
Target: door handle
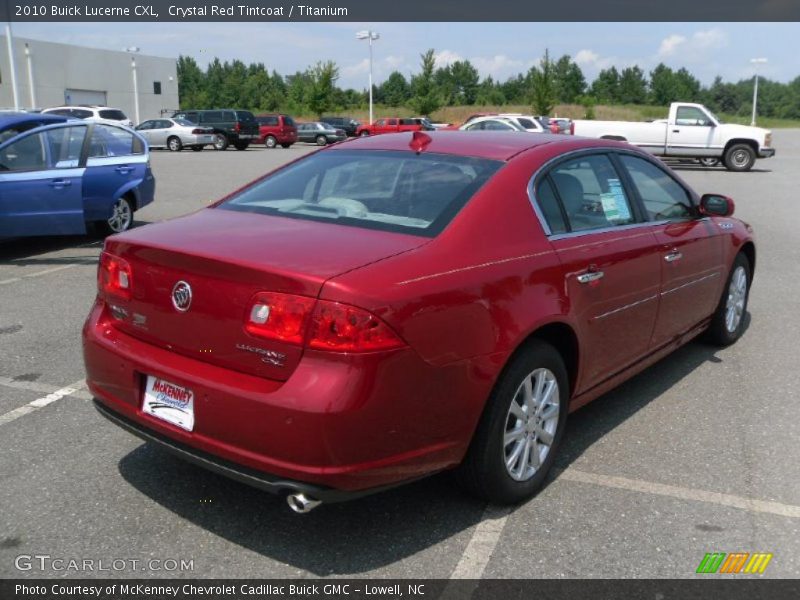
x=676 y=131
x=60 y=183
x=123 y=169
x=673 y=256
x=590 y=276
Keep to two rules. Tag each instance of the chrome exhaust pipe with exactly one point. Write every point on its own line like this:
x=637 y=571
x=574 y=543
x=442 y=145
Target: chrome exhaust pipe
x=300 y=503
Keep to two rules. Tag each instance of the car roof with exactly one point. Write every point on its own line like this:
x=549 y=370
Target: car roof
x=492 y=145
x=8 y=119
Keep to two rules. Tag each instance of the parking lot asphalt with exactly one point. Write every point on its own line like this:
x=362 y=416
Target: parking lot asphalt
x=697 y=454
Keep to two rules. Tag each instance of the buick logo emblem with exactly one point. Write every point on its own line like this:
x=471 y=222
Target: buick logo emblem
x=182 y=296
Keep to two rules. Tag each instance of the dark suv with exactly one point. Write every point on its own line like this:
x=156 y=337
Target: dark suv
x=231 y=126
x=348 y=124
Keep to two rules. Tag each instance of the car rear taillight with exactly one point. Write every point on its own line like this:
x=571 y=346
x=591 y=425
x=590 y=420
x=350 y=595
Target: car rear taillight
x=345 y=328
x=237 y=127
x=198 y=131
x=572 y=128
x=280 y=317
x=318 y=324
x=114 y=276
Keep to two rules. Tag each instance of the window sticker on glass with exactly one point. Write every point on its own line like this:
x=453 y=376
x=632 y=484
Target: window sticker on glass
x=614 y=202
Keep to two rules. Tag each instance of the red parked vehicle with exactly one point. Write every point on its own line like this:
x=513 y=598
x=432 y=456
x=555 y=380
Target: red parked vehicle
x=395 y=306
x=276 y=129
x=392 y=125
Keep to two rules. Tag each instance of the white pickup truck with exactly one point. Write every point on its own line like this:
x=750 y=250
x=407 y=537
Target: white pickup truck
x=691 y=131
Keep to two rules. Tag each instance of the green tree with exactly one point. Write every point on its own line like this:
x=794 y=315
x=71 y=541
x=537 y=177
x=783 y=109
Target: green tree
x=606 y=87
x=191 y=83
x=425 y=99
x=662 y=85
x=569 y=80
x=632 y=87
x=465 y=80
x=323 y=77
x=543 y=95
x=395 y=90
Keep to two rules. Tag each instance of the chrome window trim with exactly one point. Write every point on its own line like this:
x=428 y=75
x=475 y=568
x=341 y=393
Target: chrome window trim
x=598 y=150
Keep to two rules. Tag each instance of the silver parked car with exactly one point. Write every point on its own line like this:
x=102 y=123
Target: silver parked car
x=319 y=133
x=176 y=133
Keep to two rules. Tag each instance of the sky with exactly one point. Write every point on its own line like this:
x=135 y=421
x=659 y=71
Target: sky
x=498 y=49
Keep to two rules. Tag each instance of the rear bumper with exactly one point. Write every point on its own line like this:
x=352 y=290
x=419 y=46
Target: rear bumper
x=350 y=423
x=766 y=152
x=215 y=464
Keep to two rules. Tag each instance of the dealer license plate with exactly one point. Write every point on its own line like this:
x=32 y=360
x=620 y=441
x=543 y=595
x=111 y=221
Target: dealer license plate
x=169 y=402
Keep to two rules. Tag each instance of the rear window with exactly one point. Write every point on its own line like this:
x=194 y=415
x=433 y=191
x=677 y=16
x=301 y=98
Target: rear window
x=391 y=191
x=288 y=121
x=244 y=115
x=112 y=114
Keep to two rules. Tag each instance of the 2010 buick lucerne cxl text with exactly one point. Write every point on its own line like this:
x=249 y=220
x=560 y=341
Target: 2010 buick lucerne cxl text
x=394 y=306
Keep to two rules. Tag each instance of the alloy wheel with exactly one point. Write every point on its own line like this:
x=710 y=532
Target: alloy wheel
x=737 y=294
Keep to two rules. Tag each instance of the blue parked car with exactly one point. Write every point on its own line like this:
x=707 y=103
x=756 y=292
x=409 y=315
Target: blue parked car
x=14 y=122
x=58 y=179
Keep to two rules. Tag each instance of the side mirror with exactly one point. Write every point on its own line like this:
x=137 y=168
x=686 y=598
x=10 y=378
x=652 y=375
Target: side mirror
x=716 y=205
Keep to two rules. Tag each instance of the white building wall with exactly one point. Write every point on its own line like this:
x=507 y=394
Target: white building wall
x=59 y=67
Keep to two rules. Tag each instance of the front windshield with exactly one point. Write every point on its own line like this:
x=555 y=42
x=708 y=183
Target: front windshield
x=393 y=191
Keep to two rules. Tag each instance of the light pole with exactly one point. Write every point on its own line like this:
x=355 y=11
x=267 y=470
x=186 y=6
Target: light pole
x=756 y=62
x=12 y=65
x=134 y=49
x=371 y=36
x=29 y=60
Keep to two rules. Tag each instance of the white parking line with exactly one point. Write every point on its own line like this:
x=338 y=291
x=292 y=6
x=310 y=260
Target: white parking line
x=41 y=402
x=487 y=534
x=42 y=388
x=480 y=548
x=682 y=493
x=39 y=273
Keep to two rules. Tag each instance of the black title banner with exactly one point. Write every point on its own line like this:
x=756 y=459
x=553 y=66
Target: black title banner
x=407 y=11
x=711 y=588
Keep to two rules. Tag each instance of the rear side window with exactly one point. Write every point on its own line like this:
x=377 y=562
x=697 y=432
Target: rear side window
x=391 y=191
x=112 y=114
x=550 y=207
x=591 y=193
x=526 y=123
x=268 y=120
x=107 y=140
x=662 y=196
x=211 y=116
x=288 y=121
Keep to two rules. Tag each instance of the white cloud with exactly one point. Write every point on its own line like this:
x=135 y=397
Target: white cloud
x=381 y=69
x=446 y=57
x=670 y=44
x=592 y=61
x=691 y=48
x=498 y=66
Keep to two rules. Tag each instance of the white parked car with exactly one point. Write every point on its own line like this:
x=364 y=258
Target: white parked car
x=493 y=123
x=527 y=122
x=175 y=134
x=102 y=114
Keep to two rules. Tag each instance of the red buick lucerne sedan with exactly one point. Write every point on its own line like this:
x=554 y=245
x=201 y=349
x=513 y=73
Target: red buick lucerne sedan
x=399 y=305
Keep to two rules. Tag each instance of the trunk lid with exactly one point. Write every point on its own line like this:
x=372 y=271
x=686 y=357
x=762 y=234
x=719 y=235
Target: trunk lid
x=226 y=257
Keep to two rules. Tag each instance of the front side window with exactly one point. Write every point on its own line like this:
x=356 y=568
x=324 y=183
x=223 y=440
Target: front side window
x=26 y=154
x=662 y=196
x=692 y=116
x=591 y=193
x=393 y=191
x=66 y=144
x=146 y=125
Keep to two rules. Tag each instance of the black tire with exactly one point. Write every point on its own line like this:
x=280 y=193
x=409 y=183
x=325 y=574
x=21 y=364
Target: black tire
x=197 y=148
x=708 y=161
x=739 y=157
x=286 y=145
x=723 y=332
x=321 y=140
x=364 y=134
x=221 y=142
x=241 y=145
x=121 y=218
x=484 y=472
x=174 y=144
